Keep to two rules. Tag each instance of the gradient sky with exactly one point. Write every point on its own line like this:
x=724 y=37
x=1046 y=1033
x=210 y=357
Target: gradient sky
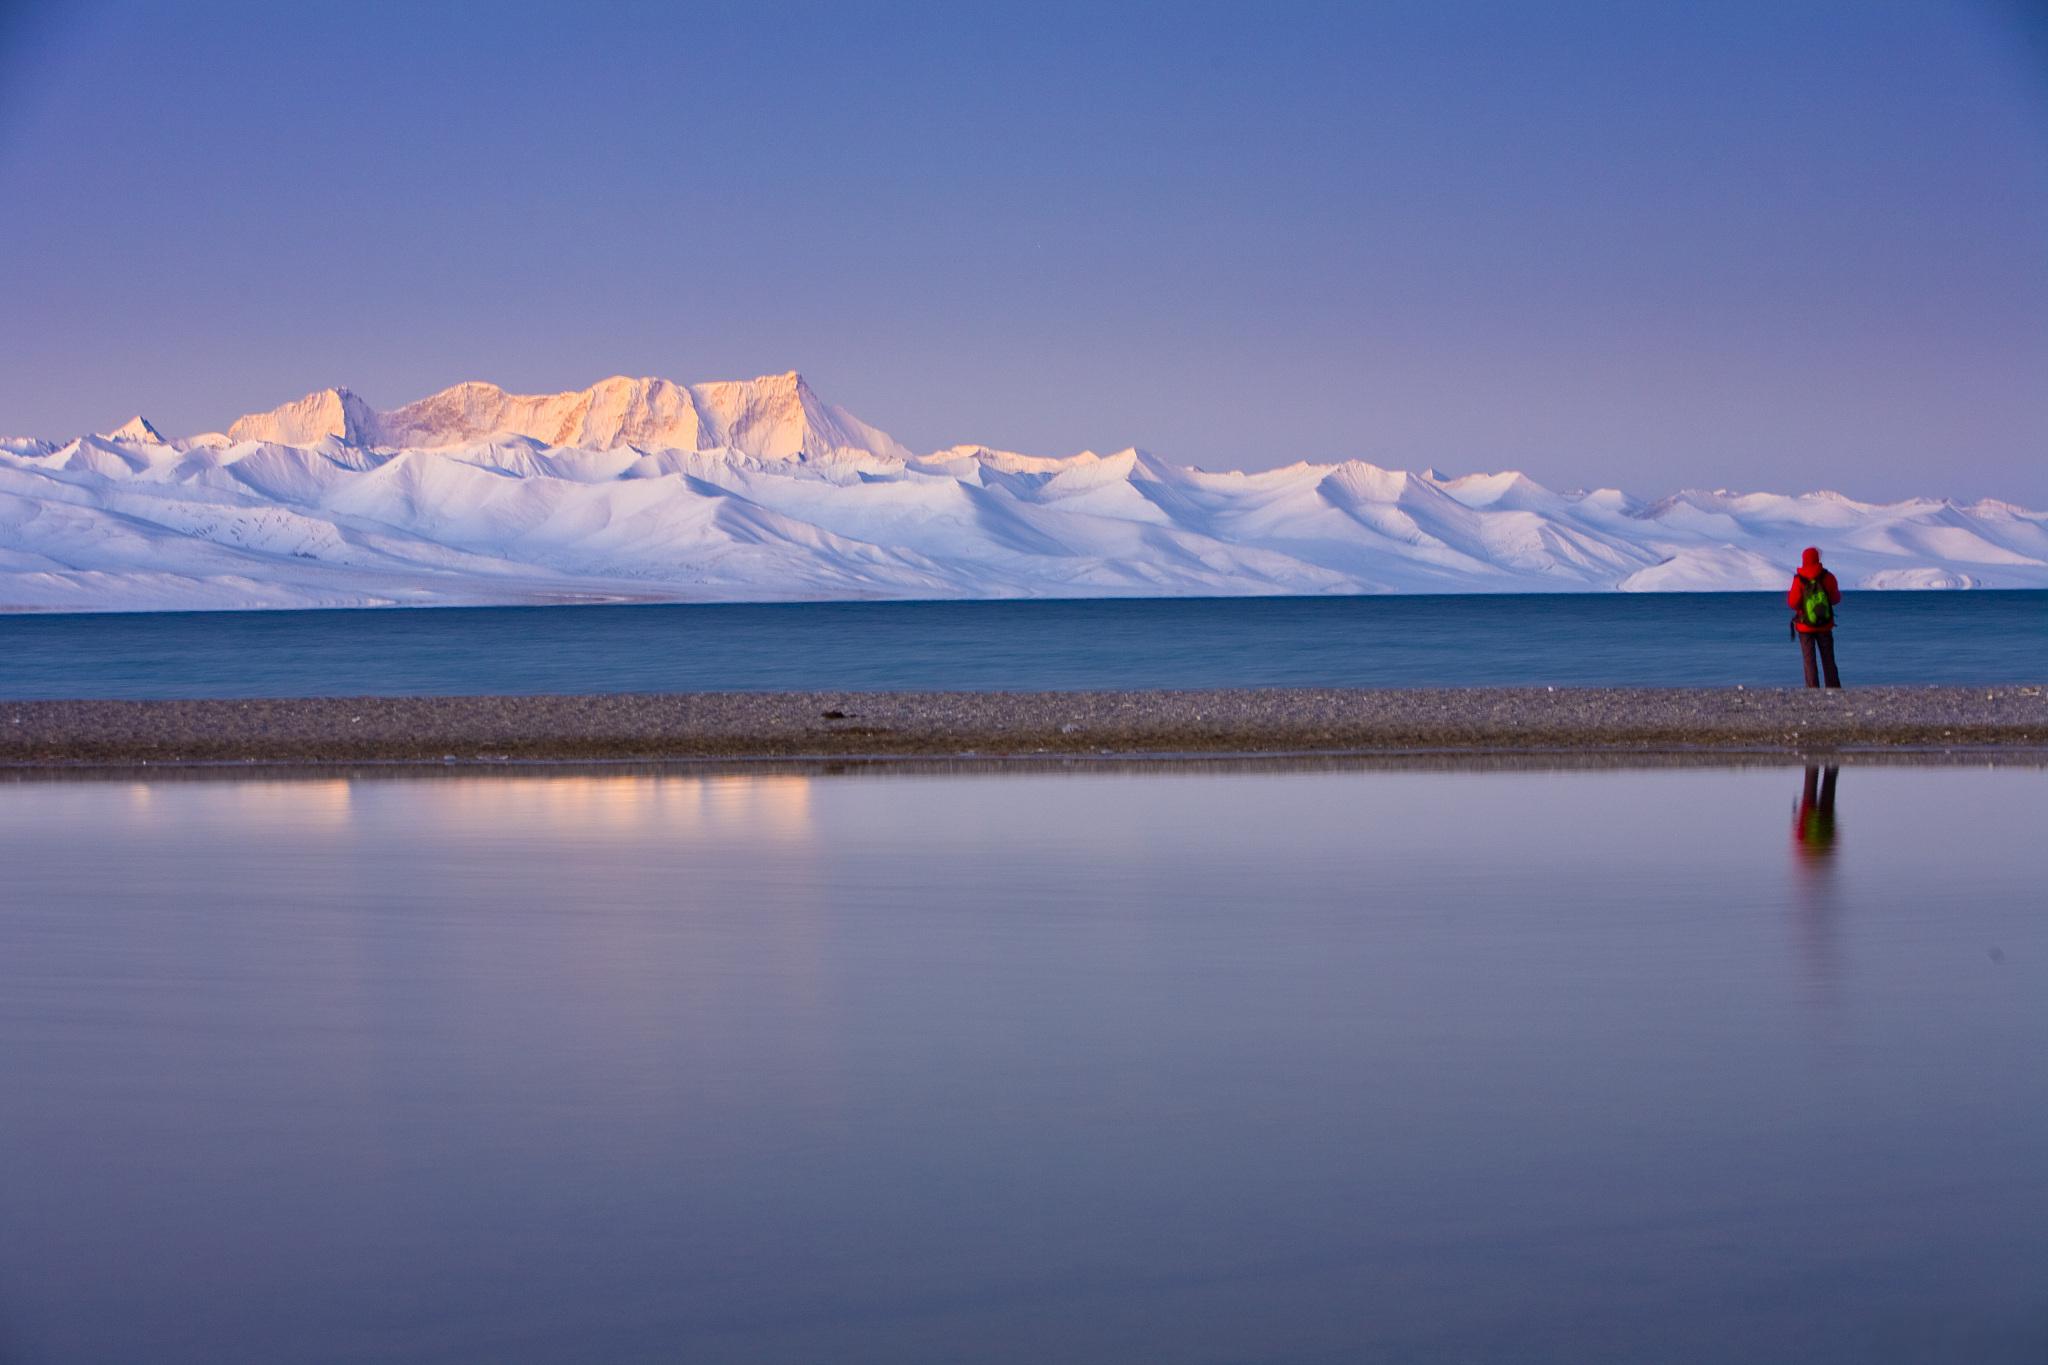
x=1779 y=245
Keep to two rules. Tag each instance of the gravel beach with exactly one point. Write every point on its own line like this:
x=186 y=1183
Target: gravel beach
x=990 y=725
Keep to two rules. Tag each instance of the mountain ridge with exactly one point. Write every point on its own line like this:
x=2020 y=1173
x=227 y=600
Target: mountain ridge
x=770 y=417
x=645 y=489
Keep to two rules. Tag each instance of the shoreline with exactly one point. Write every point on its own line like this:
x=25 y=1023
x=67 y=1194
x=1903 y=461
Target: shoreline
x=883 y=768
x=999 y=727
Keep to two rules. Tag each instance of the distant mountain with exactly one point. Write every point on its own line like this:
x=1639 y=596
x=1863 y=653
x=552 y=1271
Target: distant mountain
x=334 y=414
x=643 y=489
x=136 y=428
x=776 y=417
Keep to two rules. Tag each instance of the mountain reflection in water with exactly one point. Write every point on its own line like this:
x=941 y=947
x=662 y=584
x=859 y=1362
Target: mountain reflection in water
x=769 y=808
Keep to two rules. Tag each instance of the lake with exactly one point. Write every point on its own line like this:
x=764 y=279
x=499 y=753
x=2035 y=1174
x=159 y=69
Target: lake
x=1168 y=1063
x=1678 y=639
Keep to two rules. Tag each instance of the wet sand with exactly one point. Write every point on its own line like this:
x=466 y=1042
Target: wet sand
x=992 y=725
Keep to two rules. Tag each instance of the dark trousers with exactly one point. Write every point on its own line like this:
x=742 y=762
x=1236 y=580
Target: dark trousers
x=1823 y=641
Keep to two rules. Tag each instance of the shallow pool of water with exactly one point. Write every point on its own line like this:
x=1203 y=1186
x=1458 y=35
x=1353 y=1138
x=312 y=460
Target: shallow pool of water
x=1164 y=1065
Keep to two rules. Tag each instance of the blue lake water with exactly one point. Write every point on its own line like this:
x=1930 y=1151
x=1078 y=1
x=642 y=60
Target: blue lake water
x=1705 y=639
x=1163 y=1065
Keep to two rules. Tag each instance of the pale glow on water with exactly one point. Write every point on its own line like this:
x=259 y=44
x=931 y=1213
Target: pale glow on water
x=574 y=806
x=1152 y=1064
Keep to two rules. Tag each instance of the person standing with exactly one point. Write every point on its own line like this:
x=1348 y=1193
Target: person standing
x=1812 y=599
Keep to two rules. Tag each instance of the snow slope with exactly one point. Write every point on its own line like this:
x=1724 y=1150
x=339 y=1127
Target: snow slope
x=642 y=489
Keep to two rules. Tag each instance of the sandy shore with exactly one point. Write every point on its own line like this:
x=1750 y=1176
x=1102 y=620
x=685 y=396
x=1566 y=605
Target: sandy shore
x=743 y=725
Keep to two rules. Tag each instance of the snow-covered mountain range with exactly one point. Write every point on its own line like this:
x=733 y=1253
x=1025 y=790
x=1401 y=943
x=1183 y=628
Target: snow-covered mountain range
x=646 y=490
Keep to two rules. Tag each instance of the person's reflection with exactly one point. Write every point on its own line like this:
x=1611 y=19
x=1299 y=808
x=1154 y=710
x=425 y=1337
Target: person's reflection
x=1813 y=852
x=1813 y=823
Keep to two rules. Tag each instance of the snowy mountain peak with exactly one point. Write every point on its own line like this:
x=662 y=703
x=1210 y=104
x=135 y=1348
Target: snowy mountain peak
x=334 y=414
x=780 y=417
x=617 y=411
x=136 y=428
x=774 y=417
x=1509 y=490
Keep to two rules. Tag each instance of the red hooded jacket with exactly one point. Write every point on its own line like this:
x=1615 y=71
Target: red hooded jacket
x=1810 y=569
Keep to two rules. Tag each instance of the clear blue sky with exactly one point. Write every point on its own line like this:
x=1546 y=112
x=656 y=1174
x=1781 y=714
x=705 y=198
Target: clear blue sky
x=1773 y=244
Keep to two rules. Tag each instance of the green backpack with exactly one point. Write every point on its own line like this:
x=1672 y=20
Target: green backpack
x=1814 y=607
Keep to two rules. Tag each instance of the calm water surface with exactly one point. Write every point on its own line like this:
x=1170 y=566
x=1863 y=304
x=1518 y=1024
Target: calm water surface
x=1677 y=639
x=1163 y=1065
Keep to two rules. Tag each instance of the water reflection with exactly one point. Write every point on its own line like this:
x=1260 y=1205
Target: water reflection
x=1817 y=899
x=772 y=808
x=1813 y=820
x=1152 y=1063
x=295 y=804
x=768 y=808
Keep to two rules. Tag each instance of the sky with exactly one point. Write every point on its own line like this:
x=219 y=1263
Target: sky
x=1778 y=245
